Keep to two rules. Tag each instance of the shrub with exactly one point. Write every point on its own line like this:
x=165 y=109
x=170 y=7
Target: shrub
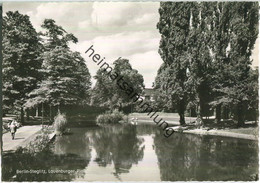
x=60 y=123
x=110 y=118
x=38 y=144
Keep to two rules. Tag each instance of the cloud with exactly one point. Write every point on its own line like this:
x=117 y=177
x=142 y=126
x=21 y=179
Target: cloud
x=122 y=44
x=121 y=13
x=147 y=61
x=118 y=14
x=145 y=19
x=147 y=64
x=88 y=20
x=125 y=16
x=66 y=15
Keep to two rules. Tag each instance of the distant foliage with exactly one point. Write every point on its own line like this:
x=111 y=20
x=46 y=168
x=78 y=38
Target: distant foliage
x=60 y=123
x=139 y=107
x=109 y=118
x=114 y=93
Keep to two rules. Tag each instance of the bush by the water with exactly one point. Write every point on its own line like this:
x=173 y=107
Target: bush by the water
x=60 y=123
x=113 y=117
x=38 y=144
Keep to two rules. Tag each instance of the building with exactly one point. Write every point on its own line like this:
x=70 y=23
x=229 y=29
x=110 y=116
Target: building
x=149 y=94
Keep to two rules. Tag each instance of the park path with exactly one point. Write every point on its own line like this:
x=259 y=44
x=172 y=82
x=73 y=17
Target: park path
x=22 y=135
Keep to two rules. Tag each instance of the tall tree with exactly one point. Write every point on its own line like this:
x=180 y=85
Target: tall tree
x=241 y=28
x=200 y=57
x=21 y=61
x=206 y=47
x=219 y=45
x=174 y=27
x=66 y=76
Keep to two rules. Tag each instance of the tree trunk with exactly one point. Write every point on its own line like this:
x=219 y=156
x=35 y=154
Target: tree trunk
x=181 y=112
x=240 y=115
x=218 y=113
x=203 y=94
x=182 y=118
x=201 y=111
x=199 y=121
x=225 y=113
x=193 y=112
x=22 y=116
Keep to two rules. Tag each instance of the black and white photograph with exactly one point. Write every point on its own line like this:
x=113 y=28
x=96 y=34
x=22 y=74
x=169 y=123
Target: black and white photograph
x=129 y=91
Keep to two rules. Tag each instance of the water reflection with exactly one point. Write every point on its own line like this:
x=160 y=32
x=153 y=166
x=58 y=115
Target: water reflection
x=118 y=145
x=74 y=142
x=192 y=157
x=21 y=166
x=134 y=153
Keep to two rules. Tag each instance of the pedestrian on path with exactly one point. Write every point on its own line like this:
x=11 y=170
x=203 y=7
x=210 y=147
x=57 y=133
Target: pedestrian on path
x=13 y=127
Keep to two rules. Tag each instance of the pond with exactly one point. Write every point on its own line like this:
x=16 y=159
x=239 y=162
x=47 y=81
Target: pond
x=136 y=153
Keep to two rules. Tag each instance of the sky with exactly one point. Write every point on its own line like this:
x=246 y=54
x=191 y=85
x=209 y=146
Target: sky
x=115 y=29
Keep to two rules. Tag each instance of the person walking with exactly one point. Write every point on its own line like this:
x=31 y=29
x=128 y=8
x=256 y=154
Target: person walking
x=13 y=127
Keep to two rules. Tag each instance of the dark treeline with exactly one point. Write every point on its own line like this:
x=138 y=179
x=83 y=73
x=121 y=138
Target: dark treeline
x=206 y=48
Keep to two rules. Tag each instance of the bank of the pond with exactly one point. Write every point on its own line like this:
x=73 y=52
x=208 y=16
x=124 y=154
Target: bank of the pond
x=250 y=132
x=226 y=133
x=23 y=137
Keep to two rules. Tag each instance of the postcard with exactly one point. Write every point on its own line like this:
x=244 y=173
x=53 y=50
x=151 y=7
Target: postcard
x=130 y=91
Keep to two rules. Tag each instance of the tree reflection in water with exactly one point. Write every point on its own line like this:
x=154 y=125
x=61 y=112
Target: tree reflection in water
x=74 y=142
x=186 y=157
x=45 y=160
x=118 y=144
x=182 y=157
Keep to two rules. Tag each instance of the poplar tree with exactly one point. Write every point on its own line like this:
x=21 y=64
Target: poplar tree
x=243 y=28
x=174 y=27
x=200 y=57
x=206 y=49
